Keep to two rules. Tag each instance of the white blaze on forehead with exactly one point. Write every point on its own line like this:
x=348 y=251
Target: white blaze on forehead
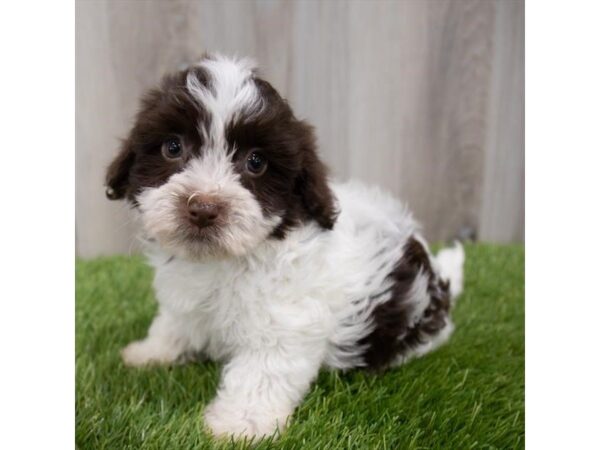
x=212 y=171
x=230 y=91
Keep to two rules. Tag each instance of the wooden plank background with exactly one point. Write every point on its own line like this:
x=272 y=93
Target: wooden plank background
x=425 y=98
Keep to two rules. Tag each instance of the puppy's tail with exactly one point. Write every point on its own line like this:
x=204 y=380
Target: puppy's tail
x=450 y=263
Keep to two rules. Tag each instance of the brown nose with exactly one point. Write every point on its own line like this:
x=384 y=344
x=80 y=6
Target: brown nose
x=202 y=210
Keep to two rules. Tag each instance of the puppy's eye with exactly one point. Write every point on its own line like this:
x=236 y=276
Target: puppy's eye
x=256 y=164
x=172 y=149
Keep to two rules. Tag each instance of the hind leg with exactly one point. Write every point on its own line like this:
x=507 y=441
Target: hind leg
x=449 y=267
x=414 y=319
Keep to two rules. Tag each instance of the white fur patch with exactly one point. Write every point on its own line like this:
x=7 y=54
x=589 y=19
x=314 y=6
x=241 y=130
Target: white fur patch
x=231 y=92
x=449 y=262
x=418 y=297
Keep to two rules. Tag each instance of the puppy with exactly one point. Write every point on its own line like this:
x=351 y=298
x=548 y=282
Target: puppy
x=262 y=263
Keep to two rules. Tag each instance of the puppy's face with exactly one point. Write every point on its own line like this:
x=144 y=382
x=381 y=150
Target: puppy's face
x=217 y=163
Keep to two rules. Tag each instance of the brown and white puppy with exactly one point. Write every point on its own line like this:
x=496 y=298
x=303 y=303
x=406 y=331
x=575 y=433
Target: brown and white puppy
x=260 y=261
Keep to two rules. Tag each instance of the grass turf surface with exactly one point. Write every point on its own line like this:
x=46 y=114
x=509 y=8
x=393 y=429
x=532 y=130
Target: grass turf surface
x=468 y=394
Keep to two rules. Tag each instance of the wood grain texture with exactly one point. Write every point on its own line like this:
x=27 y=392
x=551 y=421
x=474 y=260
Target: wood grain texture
x=502 y=217
x=420 y=97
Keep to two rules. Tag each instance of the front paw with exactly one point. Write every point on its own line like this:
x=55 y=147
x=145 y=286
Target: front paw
x=145 y=353
x=225 y=420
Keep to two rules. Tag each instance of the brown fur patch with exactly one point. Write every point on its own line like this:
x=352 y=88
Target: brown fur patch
x=295 y=184
x=393 y=335
x=165 y=112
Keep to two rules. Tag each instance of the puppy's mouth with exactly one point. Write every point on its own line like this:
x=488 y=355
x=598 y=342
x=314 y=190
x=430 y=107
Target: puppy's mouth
x=196 y=242
x=206 y=234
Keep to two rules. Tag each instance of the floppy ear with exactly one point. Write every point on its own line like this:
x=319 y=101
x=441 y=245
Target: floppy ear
x=311 y=185
x=117 y=175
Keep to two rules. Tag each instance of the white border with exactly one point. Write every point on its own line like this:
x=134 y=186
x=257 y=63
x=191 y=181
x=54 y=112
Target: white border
x=562 y=224
x=37 y=395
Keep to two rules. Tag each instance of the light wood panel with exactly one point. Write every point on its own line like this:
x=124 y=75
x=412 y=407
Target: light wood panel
x=422 y=97
x=502 y=215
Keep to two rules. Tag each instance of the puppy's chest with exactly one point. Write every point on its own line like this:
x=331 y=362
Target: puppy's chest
x=224 y=307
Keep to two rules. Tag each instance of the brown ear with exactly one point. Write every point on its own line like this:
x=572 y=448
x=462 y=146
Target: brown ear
x=312 y=186
x=117 y=175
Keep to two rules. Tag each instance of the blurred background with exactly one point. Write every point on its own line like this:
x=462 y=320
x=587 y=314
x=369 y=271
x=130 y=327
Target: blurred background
x=423 y=97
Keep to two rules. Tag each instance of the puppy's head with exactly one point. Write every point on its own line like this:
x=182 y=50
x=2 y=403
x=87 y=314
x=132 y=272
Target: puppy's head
x=217 y=163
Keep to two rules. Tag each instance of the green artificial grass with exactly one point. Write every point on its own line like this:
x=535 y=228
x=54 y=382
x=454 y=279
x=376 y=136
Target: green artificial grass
x=468 y=394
